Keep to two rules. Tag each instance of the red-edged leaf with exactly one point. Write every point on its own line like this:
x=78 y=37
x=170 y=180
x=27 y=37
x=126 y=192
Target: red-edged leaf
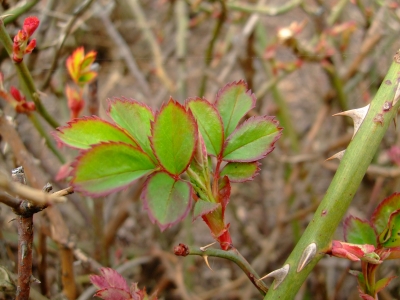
x=390 y=236
x=109 y=278
x=241 y=172
x=382 y=283
x=88 y=60
x=233 y=102
x=357 y=231
x=202 y=208
x=252 y=140
x=210 y=124
x=135 y=117
x=84 y=132
x=74 y=61
x=109 y=167
x=166 y=199
x=381 y=215
x=224 y=193
x=174 y=136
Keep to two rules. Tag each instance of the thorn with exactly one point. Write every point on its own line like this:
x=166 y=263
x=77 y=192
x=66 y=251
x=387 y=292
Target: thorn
x=34 y=280
x=206 y=246
x=395 y=122
x=307 y=256
x=358 y=116
x=338 y=155
x=397 y=95
x=206 y=260
x=279 y=275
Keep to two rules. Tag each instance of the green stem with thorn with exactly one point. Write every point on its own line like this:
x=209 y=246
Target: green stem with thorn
x=232 y=255
x=344 y=185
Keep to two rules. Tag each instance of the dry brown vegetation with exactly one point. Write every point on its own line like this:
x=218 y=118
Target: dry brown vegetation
x=151 y=50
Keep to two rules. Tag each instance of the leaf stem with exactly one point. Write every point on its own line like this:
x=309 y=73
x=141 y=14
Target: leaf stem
x=216 y=177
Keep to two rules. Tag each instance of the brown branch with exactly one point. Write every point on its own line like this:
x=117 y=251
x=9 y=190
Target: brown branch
x=59 y=230
x=25 y=241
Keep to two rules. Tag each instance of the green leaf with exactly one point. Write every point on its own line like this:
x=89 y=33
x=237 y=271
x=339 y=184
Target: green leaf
x=202 y=208
x=210 y=124
x=166 y=199
x=357 y=231
x=380 y=216
x=174 y=135
x=109 y=167
x=241 y=172
x=233 y=102
x=382 y=283
x=390 y=236
x=136 y=118
x=87 y=131
x=87 y=77
x=252 y=140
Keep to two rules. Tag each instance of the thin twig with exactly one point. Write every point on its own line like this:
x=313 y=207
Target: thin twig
x=210 y=49
x=125 y=52
x=68 y=27
x=37 y=197
x=151 y=40
x=265 y=10
x=245 y=33
x=181 y=47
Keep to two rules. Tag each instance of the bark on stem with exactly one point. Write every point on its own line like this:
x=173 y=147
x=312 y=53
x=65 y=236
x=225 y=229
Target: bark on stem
x=25 y=240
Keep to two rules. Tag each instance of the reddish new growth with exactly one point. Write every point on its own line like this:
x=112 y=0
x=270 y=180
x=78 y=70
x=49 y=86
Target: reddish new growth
x=16 y=99
x=112 y=286
x=75 y=101
x=21 y=45
x=21 y=105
